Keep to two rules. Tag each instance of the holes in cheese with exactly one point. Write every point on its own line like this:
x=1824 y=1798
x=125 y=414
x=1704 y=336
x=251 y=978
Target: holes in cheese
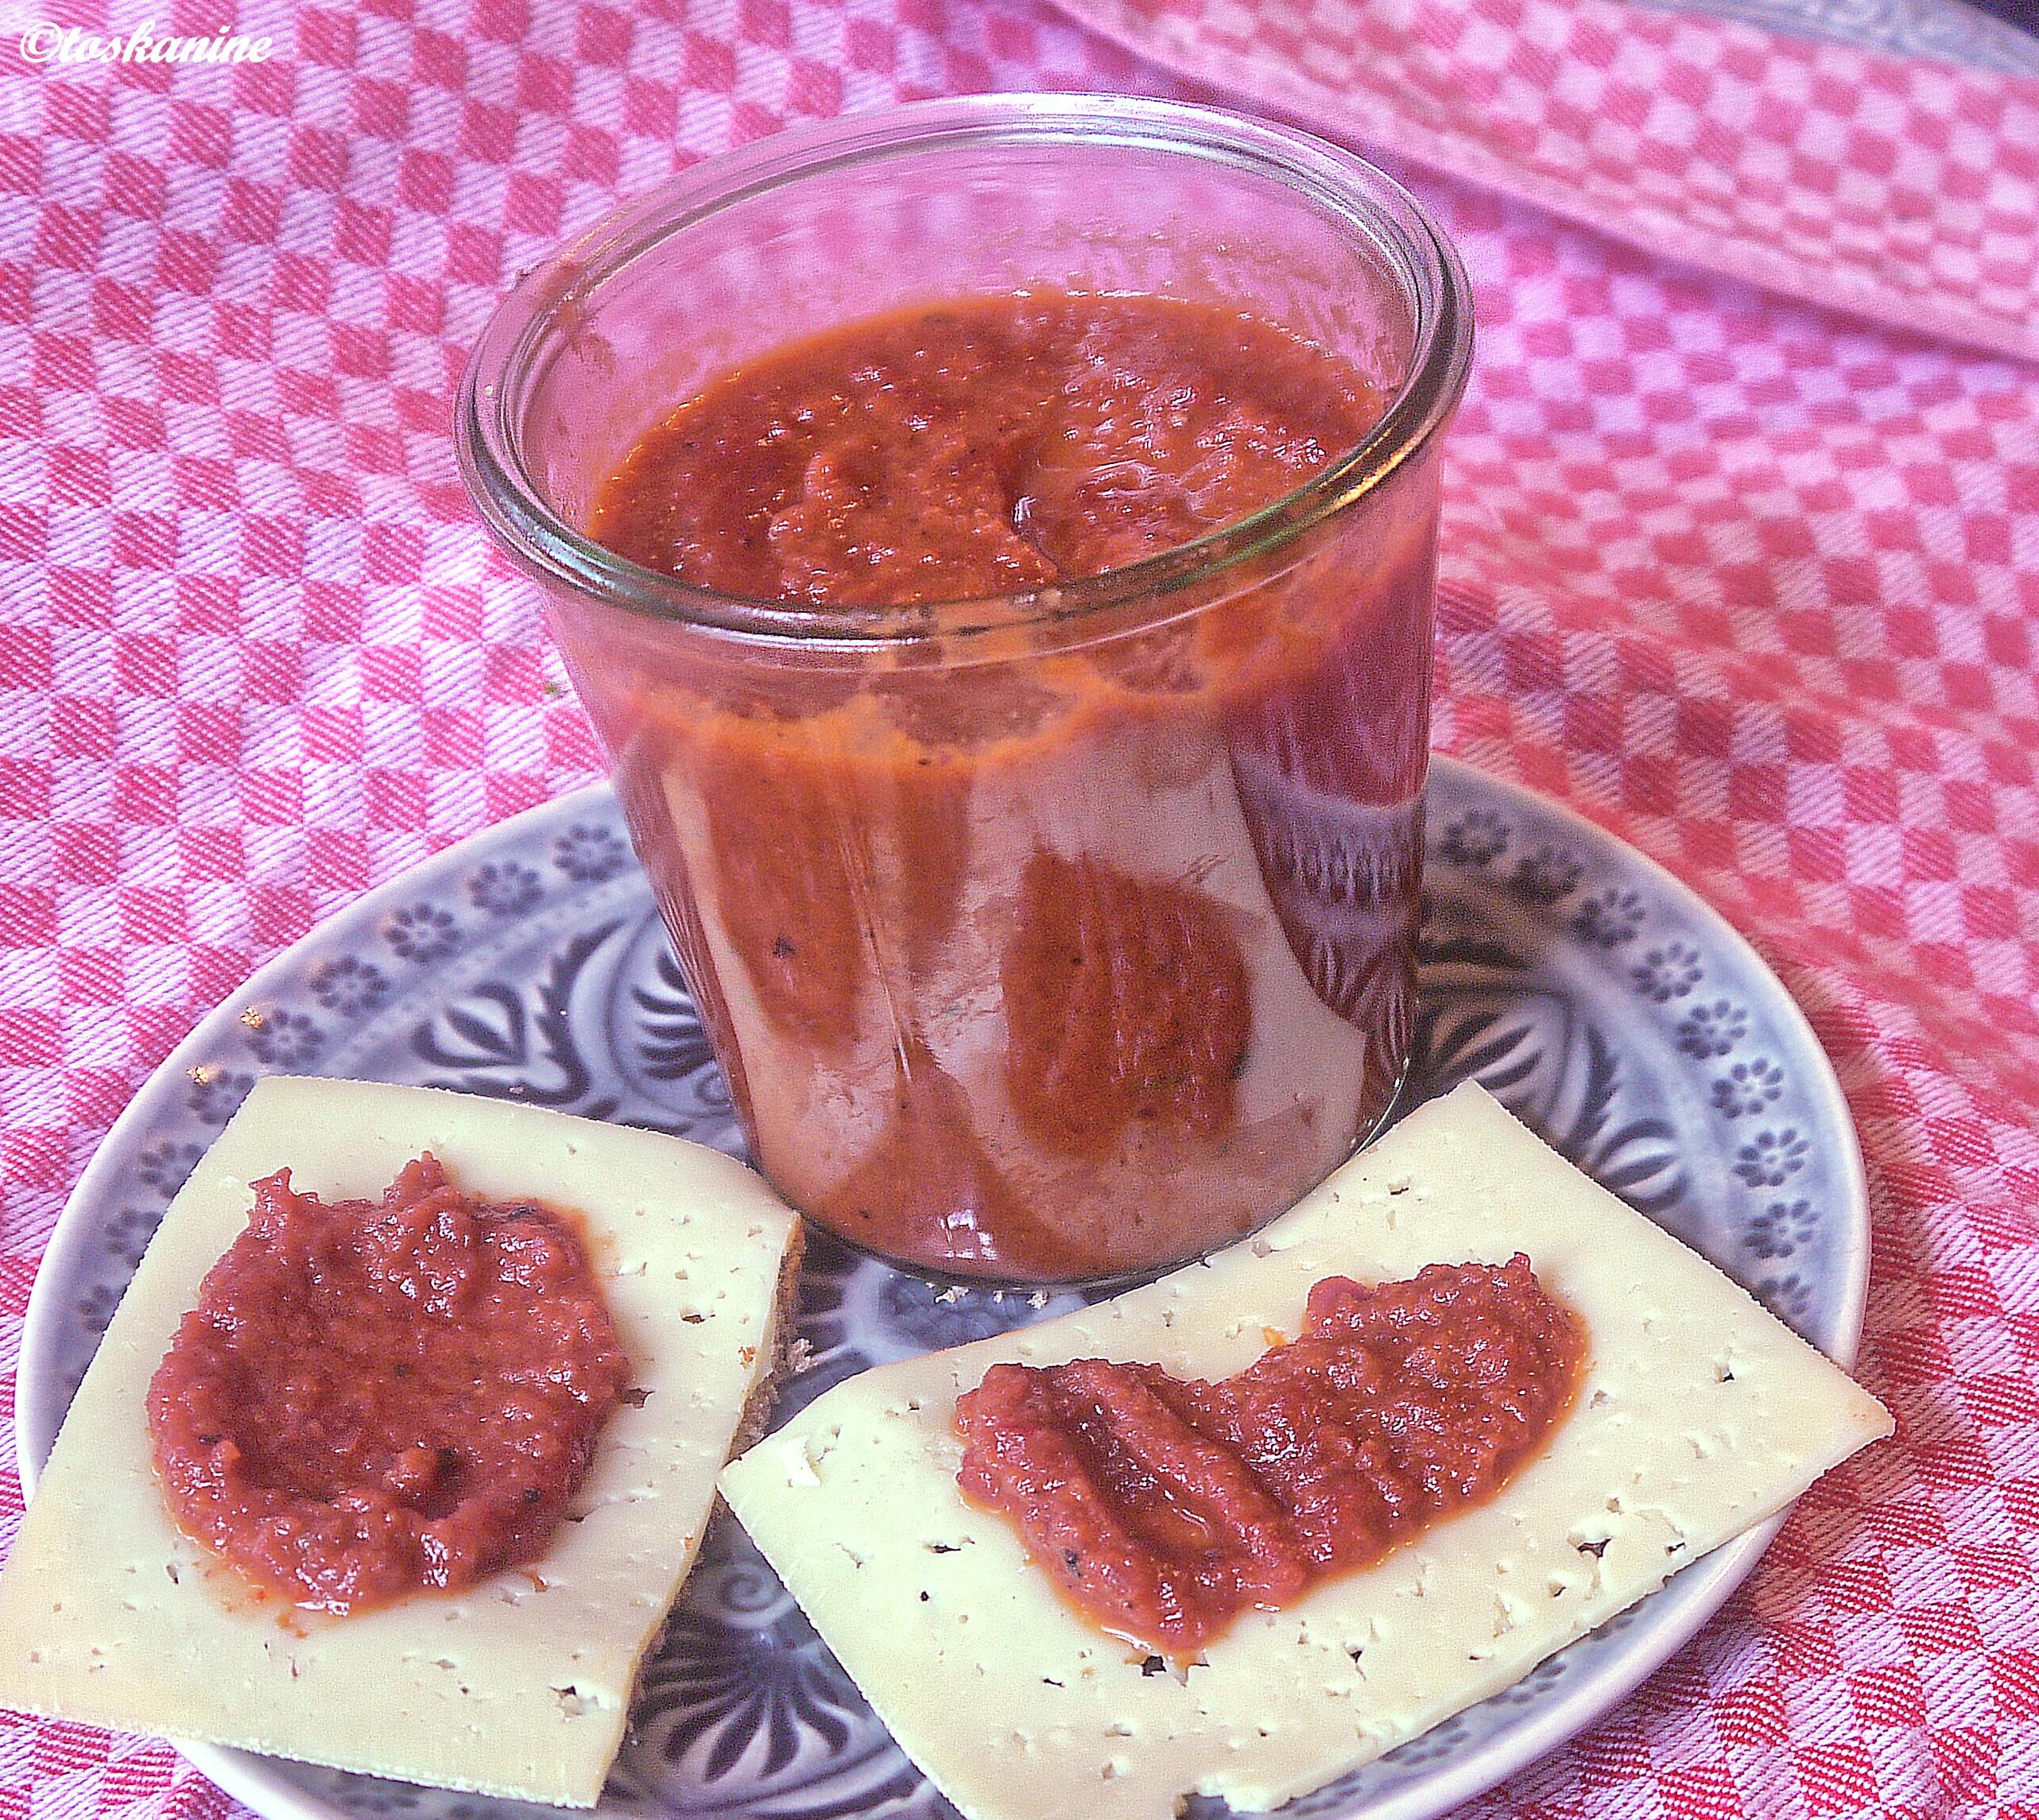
x=546 y=1655
x=1281 y=1703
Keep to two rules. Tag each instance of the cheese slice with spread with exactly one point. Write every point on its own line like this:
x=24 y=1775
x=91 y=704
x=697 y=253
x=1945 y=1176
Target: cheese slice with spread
x=1698 y=1415
x=519 y=1686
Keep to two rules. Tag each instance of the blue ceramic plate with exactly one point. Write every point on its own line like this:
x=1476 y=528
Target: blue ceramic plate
x=1601 y=1000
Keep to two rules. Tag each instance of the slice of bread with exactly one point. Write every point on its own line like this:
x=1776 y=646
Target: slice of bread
x=521 y=1685
x=1698 y=1415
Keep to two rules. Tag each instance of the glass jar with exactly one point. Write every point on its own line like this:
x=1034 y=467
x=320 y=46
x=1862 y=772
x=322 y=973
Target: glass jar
x=1063 y=934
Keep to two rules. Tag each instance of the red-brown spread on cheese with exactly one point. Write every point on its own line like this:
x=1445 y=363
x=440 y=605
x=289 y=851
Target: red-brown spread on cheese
x=375 y=1398
x=1163 y=1508
x=1069 y=964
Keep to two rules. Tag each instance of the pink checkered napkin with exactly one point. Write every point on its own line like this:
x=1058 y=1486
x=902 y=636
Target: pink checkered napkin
x=1896 y=188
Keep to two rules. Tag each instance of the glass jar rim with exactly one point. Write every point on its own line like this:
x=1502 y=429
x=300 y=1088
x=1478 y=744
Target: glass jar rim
x=505 y=358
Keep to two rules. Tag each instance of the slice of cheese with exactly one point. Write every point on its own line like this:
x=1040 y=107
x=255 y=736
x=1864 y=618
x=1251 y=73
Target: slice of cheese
x=520 y=1686
x=1699 y=1415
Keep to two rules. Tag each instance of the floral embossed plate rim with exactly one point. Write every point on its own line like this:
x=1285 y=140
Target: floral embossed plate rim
x=1603 y=1001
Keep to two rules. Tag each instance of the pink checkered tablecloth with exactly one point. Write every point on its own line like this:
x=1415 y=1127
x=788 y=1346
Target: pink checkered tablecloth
x=1752 y=582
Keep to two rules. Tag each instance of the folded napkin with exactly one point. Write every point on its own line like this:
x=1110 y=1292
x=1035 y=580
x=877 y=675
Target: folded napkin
x=1899 y=188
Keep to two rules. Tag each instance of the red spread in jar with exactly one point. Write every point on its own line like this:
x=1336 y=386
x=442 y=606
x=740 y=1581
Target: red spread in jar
x=985 y=447
x=374 y=1398
x=1073 y=956
x=1163 y=1509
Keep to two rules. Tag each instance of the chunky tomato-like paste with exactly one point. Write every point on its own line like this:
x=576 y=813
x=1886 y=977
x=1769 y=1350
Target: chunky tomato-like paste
x=1163 y=1508
x=372 y=1398
x=1037 y=964
x=982 y=447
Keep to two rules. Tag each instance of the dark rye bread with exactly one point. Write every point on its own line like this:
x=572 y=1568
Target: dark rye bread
x=784 y=1346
